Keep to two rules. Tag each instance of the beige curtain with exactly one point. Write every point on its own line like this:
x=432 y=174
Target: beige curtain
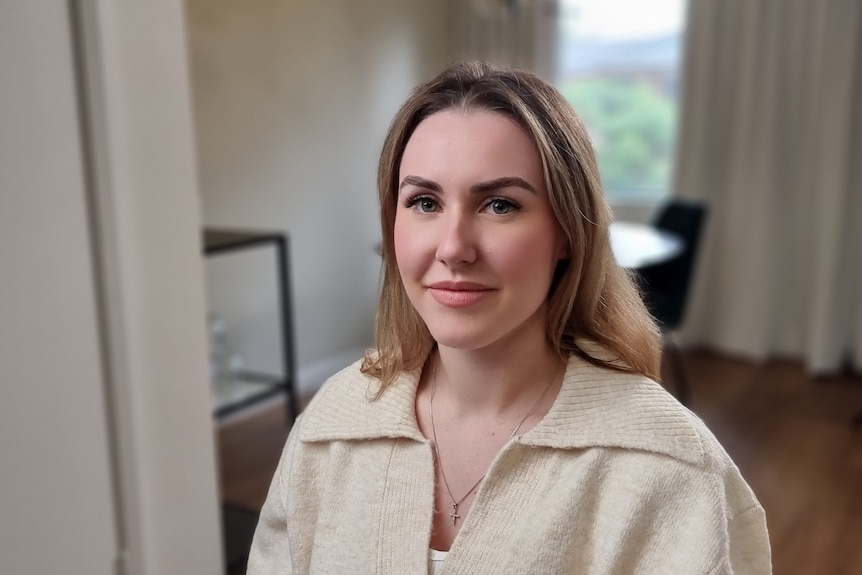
x=771 y=137
x=521 y=33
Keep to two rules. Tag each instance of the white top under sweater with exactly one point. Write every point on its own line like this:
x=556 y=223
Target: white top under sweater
x=435 y=561
x=618 y=477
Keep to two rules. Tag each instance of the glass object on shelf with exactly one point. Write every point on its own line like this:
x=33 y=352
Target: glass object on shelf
x=226 y=365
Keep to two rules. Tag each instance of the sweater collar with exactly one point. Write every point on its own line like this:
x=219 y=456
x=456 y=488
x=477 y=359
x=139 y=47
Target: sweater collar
x=596 y=407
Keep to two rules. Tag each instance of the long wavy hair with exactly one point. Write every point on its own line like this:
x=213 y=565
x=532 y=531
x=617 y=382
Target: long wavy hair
x=591 y=298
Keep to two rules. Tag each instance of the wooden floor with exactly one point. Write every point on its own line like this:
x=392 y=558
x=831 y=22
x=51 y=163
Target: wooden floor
x=789 y=434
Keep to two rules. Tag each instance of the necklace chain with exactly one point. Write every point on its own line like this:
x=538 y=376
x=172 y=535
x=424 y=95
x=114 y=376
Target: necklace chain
x=455 y=503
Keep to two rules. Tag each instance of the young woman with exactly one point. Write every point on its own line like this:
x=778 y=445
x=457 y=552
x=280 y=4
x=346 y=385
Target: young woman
x=509 y=420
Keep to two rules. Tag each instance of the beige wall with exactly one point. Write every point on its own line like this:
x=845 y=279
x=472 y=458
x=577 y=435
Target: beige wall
x=292 y=100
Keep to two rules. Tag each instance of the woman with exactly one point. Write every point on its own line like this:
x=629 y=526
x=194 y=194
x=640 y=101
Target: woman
x=509 y=420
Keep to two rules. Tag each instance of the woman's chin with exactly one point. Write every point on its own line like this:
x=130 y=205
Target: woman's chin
x=466 y=341
x=463 y=342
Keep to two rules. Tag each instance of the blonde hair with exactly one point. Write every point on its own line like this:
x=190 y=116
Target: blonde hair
x=591 y=297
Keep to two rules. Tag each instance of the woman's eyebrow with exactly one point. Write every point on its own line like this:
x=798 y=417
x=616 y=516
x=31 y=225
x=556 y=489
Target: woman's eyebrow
x=504 y=182
x=480 y=188
x=419 y=183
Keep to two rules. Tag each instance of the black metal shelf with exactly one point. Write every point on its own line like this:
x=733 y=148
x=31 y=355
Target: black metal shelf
x=252 y=387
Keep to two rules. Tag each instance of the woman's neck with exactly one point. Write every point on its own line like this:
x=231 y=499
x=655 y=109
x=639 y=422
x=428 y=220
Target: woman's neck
x=494 y=380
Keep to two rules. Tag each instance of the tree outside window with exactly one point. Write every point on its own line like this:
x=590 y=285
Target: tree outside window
x=620 y=66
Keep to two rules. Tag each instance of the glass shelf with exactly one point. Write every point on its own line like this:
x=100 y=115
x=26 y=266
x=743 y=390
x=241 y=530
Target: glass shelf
x=229 y=396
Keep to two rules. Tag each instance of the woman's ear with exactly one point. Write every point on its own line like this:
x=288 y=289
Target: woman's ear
x=564 y=249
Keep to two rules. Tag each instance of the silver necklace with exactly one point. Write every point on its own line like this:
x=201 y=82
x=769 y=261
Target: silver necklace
x=455 y=503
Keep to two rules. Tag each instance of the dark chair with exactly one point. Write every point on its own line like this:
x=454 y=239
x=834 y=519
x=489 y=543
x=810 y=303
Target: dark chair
x=666 y=286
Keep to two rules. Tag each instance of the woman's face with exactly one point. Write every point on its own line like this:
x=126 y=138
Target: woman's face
x=476 y=241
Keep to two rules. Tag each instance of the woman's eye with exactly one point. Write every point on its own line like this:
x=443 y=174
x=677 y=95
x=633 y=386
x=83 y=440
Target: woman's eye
x=501 y=207
x=423 y=204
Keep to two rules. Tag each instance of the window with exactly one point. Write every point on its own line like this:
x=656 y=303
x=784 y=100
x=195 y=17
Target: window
x=620 y=69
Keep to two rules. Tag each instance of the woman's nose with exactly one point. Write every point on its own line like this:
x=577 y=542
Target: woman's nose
x=457 y=243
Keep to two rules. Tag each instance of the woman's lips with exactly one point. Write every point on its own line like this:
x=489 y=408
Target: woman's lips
x=458 y=294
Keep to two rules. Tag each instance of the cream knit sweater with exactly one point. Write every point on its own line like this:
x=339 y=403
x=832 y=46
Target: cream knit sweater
x=617 y=478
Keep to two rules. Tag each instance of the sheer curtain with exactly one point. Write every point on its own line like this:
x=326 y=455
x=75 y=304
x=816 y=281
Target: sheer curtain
x=521 y=33
x=771 y=138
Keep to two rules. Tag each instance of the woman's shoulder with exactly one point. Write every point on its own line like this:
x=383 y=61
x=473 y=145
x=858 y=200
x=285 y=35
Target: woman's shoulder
x=599 y=406
x=636 y=419
x=346 y=379
x=349 y=406
x=344 y=387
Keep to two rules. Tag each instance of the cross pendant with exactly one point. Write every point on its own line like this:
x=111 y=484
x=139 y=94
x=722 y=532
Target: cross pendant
x=454 y=515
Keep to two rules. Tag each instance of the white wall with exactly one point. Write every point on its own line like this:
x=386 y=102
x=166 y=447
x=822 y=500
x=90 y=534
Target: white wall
x=147 y=220
x=55 y=475
x=106 y=436
x=292 y=100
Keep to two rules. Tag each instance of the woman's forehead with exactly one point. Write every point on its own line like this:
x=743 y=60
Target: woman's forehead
x=474 y=143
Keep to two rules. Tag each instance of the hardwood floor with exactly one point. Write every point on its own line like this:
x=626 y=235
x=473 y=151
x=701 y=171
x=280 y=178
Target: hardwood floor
x=248 y=454
x=789 y=434
x=791 y=437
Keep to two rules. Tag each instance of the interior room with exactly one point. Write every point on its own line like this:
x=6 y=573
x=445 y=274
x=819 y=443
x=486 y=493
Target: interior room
x=191 y=243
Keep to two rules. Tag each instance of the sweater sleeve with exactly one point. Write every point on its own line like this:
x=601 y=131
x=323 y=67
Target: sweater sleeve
x=270 y=549
x=749 y=543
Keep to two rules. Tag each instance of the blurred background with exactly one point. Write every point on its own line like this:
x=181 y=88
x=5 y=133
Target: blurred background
x=189 y=221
